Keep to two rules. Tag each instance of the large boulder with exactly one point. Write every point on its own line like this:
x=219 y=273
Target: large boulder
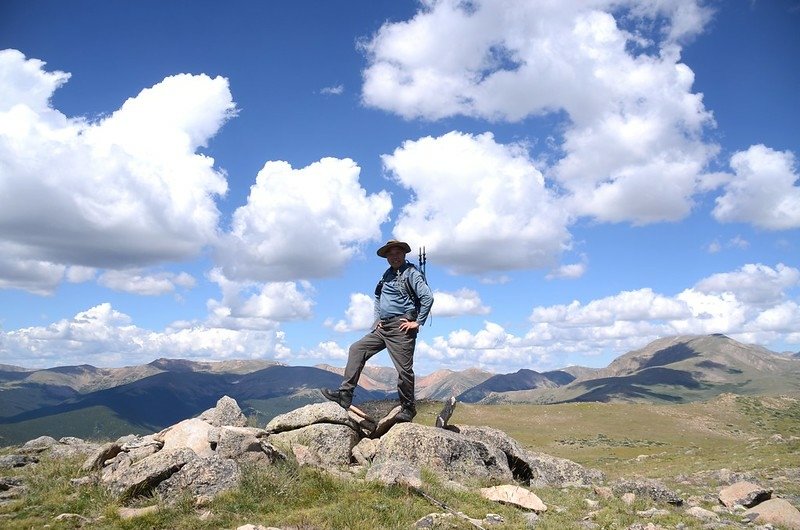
x=330 y=444
x=140 y=447
x=744 y=493
x=245 y=444
x=202 y=478
x=66 y=447
x=193 y=433
x=532 y=468
x=778 y=512
x=70 y=446
x=309 y=415
x=129 y=480
x=226 y=412
x=37 y=445
x=447 y=453
x=106 y=452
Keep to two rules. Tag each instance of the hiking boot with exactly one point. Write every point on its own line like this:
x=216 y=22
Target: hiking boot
x=342 y=398
x=406 y=413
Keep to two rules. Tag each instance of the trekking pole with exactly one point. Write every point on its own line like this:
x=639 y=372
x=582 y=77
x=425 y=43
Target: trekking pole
x=445 y=507
x=423 y=260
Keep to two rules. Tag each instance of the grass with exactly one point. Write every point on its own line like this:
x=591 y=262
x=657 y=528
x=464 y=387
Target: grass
x=682 y=445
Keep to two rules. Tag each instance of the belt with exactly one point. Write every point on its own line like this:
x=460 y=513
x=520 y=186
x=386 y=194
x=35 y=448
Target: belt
x=398 y=317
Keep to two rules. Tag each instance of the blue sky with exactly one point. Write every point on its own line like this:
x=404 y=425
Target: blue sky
x=211 y=180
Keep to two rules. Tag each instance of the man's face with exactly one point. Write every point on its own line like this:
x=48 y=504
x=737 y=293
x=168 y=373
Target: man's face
x=396 y=257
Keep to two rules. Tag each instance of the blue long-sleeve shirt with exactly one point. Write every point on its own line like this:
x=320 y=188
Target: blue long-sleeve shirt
x=394 y=301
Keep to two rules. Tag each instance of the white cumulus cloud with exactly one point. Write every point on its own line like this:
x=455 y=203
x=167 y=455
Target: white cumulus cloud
x=103 y=336
x=763 y=190
x=457 y=303
x=137 y=282
x=125 y=191
x=258 y=305
x=754 y=284
x=477 y=205
x=359 y=315
x=632 y=147
x=752 y=304
x=301 y=223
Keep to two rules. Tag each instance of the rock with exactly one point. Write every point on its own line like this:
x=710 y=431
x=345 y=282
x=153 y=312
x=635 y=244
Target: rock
x=779 y=512
x=364 y=451
x=493 y=518
x=531 y=519
x=702 y=513
x=202 y=478
x=547 y=470
x=6 y=483
x=722 y=476
x=437 y=520
x=747 y=494
x=446 y=413
x=11 y=488
x=71 y=440
x=305 y=456
x=648 y=526
x=70 y=446
x=366 y=425
x=132 y=513
x=83 y=481
x=14 y=461
x=129 y=480
x=139 y=448
x=76 y=518
x=649 y=488
x=105 y=452
x=395 y=473
x=652 y=512
x=628 y=498
x=191 y=433
x=604 y=492
x=246 y=444
x=227 y=412
x=37 y=445
x=331 y=443
x=532 y=468
x=516 y=495
x=314 y=413
x=444 y=452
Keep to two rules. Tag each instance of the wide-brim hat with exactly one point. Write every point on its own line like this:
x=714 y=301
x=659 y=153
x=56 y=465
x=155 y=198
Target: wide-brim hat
x=393 y=243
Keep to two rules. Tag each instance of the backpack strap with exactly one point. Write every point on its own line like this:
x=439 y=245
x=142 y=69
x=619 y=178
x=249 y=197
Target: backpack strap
x=405 y=285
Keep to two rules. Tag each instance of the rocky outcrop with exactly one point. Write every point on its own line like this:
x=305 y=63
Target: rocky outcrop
x=200 y=457
x=203 y=457
x=533 y=468
x=651 y=488
x=331 y=444
x=744 y=494
x=446 y=453
x=778 y=512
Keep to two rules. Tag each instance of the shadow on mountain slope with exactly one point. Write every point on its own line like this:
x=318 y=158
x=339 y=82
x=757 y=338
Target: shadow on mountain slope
x=633 y=386
x=670 y=355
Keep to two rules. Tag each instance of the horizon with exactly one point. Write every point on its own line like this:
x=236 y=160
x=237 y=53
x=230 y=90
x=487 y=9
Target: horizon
x=208 y=181
x=384 y=366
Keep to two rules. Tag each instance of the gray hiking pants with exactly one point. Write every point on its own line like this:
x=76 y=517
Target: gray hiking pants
x=401 y=350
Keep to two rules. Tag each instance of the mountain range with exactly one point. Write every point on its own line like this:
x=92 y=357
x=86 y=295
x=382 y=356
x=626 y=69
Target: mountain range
x=104 y=403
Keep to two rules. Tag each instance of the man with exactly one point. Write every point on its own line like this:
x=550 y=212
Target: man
x=403 y=301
